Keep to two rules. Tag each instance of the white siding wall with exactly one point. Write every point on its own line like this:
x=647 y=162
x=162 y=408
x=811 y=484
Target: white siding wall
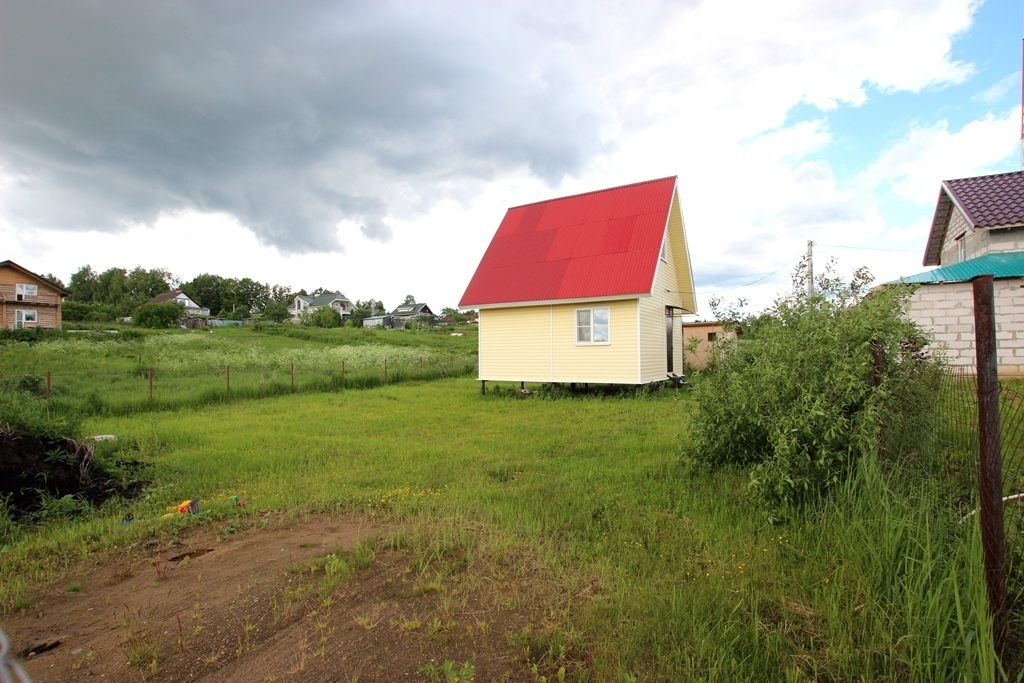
x=946 y=312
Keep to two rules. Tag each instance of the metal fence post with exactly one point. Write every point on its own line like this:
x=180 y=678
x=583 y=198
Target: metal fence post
x=385 y=371
x=990 y=480
x=293 y=378
x=227 y=377
x=151 y=383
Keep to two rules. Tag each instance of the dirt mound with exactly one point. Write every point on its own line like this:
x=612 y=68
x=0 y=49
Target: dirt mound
x=325 y=599
x=35 y=467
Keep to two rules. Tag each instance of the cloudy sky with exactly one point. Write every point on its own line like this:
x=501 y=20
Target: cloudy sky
x=373 y=147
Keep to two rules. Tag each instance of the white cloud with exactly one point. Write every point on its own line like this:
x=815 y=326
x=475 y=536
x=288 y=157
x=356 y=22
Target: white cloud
x=914 y=166
x=997 y=90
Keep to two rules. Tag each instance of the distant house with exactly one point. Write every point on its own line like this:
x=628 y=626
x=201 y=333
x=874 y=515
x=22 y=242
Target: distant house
x=335 y=300
x=407 y=312
x=191 y=307
x=700 y=339
x=978 y=228
x=27 y=300
x=587 y=288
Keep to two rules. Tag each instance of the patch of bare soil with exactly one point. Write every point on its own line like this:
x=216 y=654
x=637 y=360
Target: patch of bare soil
x=321 y=599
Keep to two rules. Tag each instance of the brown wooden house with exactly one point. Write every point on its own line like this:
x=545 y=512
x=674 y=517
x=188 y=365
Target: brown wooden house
x=27 y=300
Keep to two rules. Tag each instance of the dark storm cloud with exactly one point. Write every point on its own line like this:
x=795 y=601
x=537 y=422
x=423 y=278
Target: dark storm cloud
x=289 y=116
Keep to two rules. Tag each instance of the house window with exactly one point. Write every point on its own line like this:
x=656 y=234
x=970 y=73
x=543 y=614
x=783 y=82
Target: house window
x=664 y=248
x=961 y=248
x=23 y=318
x=592 y=325
x=712 y=336
x=26 y=290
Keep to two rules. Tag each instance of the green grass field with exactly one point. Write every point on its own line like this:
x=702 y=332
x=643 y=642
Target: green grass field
x=683 y=579
x=103 y=372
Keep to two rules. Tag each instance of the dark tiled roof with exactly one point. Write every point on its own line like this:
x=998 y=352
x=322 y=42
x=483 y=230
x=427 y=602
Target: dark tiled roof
x=988 y=201
x=166 y=296
x=324 y=299
x=412 y=309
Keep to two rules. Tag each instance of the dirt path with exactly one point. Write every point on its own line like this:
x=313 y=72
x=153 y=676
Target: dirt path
x=285 y=600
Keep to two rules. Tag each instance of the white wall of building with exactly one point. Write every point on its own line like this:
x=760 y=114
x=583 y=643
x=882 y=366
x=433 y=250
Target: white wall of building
x=946 y=313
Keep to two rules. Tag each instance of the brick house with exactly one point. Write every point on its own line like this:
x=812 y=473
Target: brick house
x=978 y=229
x=27 y=300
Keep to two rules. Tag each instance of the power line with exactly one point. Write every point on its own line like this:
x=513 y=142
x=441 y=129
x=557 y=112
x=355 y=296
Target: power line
x=754 y=282
x=844 y=246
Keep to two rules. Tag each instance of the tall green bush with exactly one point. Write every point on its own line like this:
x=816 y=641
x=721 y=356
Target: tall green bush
x=820 y=382
x=159 y=316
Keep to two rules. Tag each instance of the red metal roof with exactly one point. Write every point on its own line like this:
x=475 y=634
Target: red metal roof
x=598 y=244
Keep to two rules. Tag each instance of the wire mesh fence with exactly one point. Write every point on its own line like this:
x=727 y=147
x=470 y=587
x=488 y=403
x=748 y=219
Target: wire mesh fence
x=957 y=430
x=143 y=388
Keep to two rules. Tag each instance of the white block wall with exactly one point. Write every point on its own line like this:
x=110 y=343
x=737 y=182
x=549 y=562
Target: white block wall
x=946 y=313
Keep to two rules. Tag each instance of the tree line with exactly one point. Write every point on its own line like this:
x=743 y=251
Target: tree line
x=121 y=293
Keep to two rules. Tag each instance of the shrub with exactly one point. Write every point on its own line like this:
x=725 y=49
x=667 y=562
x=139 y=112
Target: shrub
x=823 y=381
x=158 y=316
x=322 y=317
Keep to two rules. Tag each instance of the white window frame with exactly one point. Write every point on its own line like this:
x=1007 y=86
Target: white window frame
x=24 y=290
x=590 y=326
x=961 y=248
x=21 y=317
x=664 y=248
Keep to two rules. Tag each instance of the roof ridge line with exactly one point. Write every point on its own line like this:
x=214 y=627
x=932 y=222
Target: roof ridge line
x=584 y=194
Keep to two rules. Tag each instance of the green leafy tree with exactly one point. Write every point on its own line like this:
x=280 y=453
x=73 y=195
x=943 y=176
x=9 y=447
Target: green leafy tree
x=82 y=285
x=324 y=316
x=282 y=294
x=277 y=311
x=803 y=398
x=251 y=294
x=453 y=314
x=409 y=300
x=365 y=309
x=141 y=285
x=159 y=316
x=207 y=290
x=54 y=280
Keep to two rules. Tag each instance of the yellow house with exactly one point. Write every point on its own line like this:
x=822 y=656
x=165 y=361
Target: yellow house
x=587 y=288
x=27 y=300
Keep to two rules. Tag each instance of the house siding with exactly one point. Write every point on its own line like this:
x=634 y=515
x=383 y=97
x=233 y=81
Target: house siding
x=946 y=313
x=538 y=344
x=665 y=292
x=46 y=304
x=978 y=242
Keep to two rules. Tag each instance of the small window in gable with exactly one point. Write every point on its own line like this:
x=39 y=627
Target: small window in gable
x=664 y=248
x=593 y=325
x=26 y=290
x=961 y=248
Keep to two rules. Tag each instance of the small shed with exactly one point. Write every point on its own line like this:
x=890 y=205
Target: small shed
x=586 y=288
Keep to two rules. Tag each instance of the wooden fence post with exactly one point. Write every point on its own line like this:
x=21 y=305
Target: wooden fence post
x=342 y=371
x=421 y=363
x=990 y=469
x=227 y=377
x=385 y=371
x=47 y=386
x=453 y=362
x=151 y=384
x=293 y=378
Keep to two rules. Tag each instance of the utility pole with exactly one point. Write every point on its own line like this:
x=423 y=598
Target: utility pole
x=810 y=268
